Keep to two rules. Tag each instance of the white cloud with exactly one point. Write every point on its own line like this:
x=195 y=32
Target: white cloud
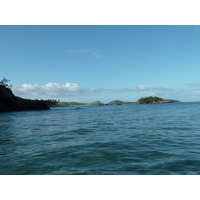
x=143 y=87
x=51 y=90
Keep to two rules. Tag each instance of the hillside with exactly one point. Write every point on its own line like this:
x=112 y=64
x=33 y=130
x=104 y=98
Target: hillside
x=9 y=102
x=151 y=99
x=73 y=103
x=78 y=104
x=114 y=102
x=118 y=102
x=95 y=103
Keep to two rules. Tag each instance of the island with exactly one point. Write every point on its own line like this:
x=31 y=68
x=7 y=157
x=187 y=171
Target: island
x=118 y=102
x=154 y=99
x=94 y=103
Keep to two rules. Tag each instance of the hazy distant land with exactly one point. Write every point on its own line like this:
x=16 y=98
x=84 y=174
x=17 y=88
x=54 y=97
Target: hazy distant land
x=146 y=100
x=115 y=102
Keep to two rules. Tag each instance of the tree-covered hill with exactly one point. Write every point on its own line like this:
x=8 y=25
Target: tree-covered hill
x=95 y=103
x=60 y=103
x=151 y=99
x=118 y=102
x=115 y=102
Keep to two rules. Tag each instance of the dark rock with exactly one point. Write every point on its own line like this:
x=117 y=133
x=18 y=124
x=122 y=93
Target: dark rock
x=9 y=102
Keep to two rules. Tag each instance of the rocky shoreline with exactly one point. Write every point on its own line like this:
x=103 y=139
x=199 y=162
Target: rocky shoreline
x=9 y=102
x=156 y=102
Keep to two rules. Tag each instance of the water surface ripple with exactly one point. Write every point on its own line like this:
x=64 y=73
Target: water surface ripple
x=125 y=139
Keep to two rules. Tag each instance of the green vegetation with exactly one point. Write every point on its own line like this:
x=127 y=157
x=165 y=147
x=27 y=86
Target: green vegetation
x=50 y=102
x=146 y=100
x=149 y=99
x=71 y=104
x=95 y=103
x=4 y=83
x=118 y=102
x=115 y=102
x=61 y=103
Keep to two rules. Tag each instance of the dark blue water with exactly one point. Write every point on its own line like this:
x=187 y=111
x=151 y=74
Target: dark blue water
x=117 y=139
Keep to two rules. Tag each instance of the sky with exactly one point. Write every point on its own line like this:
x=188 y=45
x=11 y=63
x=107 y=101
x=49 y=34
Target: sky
x=105 y=63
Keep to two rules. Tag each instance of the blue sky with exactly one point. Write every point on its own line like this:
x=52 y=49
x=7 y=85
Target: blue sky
x=89 y=63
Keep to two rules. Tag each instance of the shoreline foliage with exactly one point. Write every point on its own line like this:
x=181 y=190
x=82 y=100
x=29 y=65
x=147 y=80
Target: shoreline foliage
x=4 y=83
x=50 y=102
x=150 y=99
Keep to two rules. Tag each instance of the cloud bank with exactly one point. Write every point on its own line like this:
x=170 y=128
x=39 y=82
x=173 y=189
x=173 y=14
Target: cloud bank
x=52 y=90
x=55 y=90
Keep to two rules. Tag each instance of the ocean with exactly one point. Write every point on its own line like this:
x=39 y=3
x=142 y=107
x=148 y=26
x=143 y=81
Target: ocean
x=130 y=139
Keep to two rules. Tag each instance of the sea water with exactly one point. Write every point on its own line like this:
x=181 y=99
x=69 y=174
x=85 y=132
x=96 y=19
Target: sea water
x=115 y=139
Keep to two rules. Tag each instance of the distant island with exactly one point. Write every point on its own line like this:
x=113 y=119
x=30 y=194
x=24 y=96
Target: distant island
x=118 y=102
x=53 y=103
x=146 y=100
x=151 y=99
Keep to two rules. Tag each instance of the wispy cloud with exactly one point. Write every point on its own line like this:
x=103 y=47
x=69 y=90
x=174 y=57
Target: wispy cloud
x=95 y=52
x=195 y=87
x=192 y=84
x=161 y=91
x=79 y=50
x=98 y=55
x=134 y=89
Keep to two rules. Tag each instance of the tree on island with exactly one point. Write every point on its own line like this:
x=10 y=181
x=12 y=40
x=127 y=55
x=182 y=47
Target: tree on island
x=50 y=102
x=150 y=99
x=4 y=83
